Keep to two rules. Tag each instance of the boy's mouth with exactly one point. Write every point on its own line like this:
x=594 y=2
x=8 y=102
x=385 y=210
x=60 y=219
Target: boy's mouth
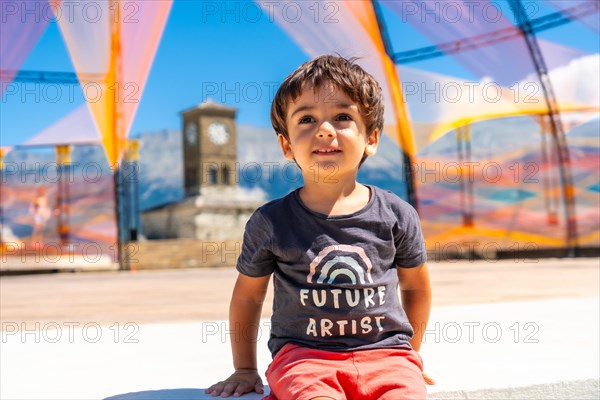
x=327 y=151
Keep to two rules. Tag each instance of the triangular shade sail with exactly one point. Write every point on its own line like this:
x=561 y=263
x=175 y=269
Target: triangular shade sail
x=21 y=27
x=121 y=46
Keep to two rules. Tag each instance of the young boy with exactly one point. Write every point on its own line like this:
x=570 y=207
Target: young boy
x=337 y=250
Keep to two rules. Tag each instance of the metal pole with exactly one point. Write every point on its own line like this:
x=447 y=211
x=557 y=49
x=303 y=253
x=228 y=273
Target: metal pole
x=463 y=149
x=558 y=135
x=63 y=158
x=113 y=77
x=407 y=158
x=132 y=158
x=118 y=186
x=470 y=178
x=1 y=202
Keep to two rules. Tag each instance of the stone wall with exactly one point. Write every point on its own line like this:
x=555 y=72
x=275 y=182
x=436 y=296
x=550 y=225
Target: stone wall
x=183 y=253
x=219 y=214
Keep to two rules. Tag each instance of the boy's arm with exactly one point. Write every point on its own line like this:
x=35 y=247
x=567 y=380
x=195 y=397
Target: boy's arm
x=415 y=291
x=244 y=318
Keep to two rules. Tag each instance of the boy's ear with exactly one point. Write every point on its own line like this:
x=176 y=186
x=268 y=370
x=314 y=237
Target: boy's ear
x=372 y=143
x=286 y=147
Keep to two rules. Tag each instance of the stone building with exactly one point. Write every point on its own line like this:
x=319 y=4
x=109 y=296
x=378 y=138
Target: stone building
x=214 y=207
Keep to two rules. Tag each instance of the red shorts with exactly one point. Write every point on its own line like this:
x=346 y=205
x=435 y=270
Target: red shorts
x=300 y=373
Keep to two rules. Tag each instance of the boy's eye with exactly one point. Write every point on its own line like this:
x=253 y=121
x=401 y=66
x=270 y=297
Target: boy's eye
x=306 y=119
x=344 y=117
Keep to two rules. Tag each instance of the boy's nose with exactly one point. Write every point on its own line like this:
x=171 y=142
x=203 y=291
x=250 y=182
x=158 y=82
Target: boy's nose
x=326 y=130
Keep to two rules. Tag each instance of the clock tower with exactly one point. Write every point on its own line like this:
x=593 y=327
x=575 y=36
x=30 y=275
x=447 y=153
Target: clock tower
x=209 y=147
x=214 y=206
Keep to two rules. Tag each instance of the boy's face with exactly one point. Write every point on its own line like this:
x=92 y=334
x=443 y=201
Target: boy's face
x=327 y=135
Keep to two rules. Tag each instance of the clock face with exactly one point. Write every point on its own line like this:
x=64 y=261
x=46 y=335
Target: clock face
x=191 y=133
x=217 y=133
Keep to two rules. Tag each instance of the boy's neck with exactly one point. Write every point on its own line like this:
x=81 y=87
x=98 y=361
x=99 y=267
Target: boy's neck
x=337 y=198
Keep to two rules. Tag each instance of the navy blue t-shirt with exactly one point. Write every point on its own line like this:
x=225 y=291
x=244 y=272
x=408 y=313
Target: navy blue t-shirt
x=335 y=278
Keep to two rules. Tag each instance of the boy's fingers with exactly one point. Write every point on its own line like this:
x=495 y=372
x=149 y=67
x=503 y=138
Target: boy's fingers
x=428 y=380
x=229 y=389
x=211 y=387
x=259 y=387
x=216 y=389
x=242 y=388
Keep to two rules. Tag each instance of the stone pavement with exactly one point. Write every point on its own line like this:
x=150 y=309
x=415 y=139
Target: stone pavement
x=508 y=329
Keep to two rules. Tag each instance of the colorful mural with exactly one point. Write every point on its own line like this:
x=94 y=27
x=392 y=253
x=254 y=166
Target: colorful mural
x=486 y=165
x=505 y=157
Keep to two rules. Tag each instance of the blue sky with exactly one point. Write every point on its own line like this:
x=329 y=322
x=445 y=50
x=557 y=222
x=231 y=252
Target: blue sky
x=239 y=58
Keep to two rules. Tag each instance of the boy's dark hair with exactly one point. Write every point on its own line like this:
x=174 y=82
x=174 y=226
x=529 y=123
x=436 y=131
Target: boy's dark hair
x=346 y=75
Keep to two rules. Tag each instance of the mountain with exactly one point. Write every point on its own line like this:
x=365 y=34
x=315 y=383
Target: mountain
x=261 y=163
x=160 y=168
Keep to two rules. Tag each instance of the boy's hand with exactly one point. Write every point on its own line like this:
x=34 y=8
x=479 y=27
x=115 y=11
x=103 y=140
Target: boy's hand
x=428 y=380
x=240 y=382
